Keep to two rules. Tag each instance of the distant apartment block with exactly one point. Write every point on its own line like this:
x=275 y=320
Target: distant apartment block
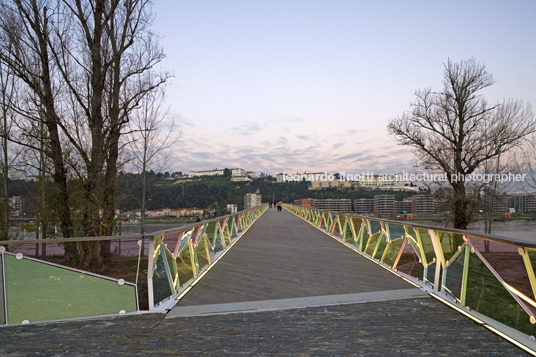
x=232 y=208
x=497 y=204
x=333 y=204
x=405 y=206
x=252 y=200
x=364 y=205
x=304 y=202
x=380 y=181
x=524 y=203
x=235 y=173
x=384 y=204
x=15 y=206
x=318 y=185
x=181 y=212
x=423 y=204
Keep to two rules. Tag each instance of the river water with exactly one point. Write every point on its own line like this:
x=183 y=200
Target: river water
x=517 y=229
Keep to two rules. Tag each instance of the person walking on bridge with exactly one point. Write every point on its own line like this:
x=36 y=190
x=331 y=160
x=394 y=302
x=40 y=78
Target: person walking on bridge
x=279 y=206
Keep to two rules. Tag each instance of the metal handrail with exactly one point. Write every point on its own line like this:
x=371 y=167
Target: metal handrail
x=491 y=237
x=129 y=237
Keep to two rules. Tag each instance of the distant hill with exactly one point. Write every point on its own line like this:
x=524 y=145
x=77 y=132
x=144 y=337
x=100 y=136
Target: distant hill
x=217 y=192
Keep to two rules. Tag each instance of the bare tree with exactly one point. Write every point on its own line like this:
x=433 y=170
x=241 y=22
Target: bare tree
x=529 y=159
x=455 y=131
x=8 y=95
x=86 y=63
x=493 y=191
x=150 y=140
x=25 y=48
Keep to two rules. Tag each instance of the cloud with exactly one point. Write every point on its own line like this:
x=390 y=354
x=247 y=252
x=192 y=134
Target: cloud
x=354 y=156
x=288 y=119
x=273 y=151
x=246 y=128
x=180 y=120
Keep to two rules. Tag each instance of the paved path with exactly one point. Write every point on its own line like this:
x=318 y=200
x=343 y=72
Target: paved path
x=421 y=327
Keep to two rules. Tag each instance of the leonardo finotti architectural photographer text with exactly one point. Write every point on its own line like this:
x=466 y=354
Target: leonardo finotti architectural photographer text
x=407 y=177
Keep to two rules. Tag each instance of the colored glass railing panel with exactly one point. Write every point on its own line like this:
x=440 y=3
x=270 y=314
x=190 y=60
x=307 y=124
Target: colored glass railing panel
x=450 y=243
x=382 y=245
x=486 y=274
x=392 y=252
x=162 y=285
x=372 y=243
x=202 y=253
x=410 y=264
x=426 y=246
x=195 y=249
x=185 y=266
x=454 y=276
x=488 y=296
x=375 y=226
x=396 y=231
x=507 y=262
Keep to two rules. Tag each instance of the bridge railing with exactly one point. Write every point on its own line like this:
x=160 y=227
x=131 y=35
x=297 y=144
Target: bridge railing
x=51 y=279
x=489 y=274
x=180 y=257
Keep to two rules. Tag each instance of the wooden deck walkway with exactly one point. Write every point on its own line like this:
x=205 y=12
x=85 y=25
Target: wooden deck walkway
x=283 y=262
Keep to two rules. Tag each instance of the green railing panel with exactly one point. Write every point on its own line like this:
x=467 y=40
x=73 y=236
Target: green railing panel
x=488 y=296
x=429 y=274
x=202 y=253
x=372 y=243
x=212 y=233
x=185 y=265
x=413 y=241
x=2 y=313
x=392 y=251
x=237 y=224
x=507 y=262
x=427 y=246
x=38 y=291
x=375 y=226
x=409 y=263
x=161 y=279
x=217 y=239
x=336 y=228
x=184 y=242
x=356 y=224
x=327 y=220
x=381 y=247
x=450 y=242
x=225 y=232
x=348 y=233
x=364 y=238
x=172 y=267
x=395 y=231
x=453 y=277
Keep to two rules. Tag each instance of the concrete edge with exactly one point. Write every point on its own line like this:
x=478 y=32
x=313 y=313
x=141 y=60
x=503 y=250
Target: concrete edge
x=294 y=303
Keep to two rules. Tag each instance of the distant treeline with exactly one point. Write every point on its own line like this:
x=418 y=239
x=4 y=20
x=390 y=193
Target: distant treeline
x=215 y=192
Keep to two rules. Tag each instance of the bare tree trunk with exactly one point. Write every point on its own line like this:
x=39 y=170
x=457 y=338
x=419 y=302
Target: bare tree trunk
x=461 y=207
x=4 y=235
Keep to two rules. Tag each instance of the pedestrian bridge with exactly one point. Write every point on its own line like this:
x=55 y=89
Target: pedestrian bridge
x=262 y=261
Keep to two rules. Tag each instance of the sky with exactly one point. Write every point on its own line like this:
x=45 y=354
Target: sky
x=310 y=85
